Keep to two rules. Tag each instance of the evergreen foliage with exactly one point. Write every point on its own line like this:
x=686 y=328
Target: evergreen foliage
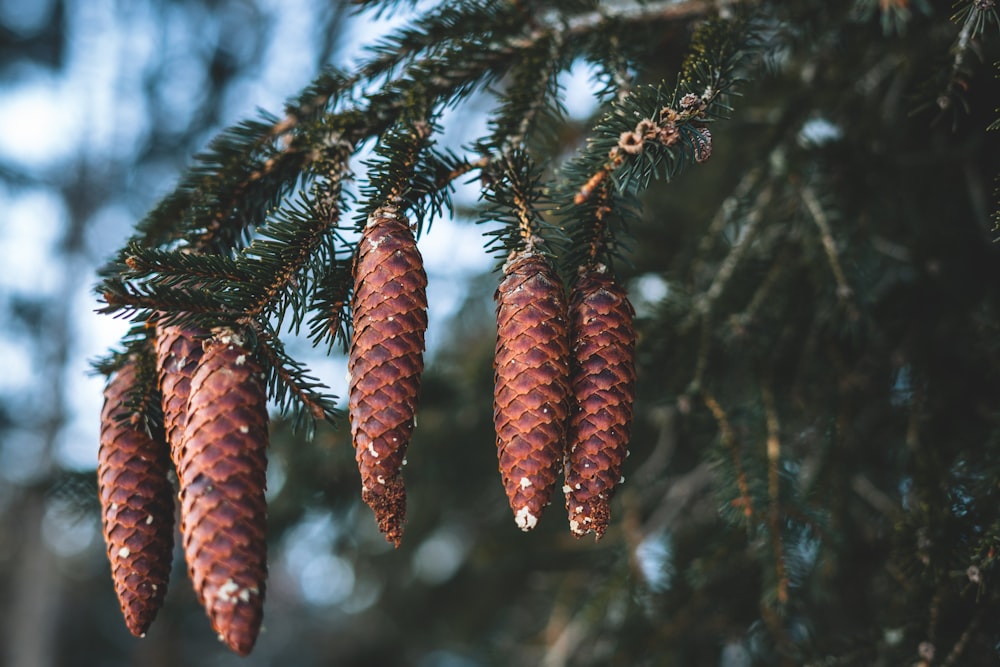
x=816 y=445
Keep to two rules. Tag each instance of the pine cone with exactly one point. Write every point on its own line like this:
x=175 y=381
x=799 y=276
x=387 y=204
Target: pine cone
x=531 y=389
x=386 y=359
x=137 y=506
x=603 y=380
x=178 y=350
x=222 y=475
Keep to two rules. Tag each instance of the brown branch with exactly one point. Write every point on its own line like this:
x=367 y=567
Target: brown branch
x=577 y=26
x=701 y=361
x=739 y=321
x=723 y=216
x=956 y=650
x=664 y=129
x=315 y=408
x=287 y=276
x=704 y=303
x=773 y=491
x=728 y=439
x=282 y=130
x=462 y=170
x=844 y=291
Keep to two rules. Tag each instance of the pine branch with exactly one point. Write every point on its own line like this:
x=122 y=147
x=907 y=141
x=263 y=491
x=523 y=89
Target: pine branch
x=705 y=302
x=612 y=61
x=777 y=269
x=180 y=267
x=648 y=135
x=844 y=291
x=586 y=23
x=774 y=513
x=142 y=404
x=725 y=215
x=216 y=192
x=531 y=97
x=406 y=175
x=291 y=385
x=975 y=16
x=294 y=245
x=269 y=278
x=483 y=21
x=250 y=167
x=515 y=200
x=330 y=306
x=744 y=503
x=143 y=301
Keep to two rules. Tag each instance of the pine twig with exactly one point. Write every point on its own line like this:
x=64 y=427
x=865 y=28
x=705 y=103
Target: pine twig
x=956 y=651
x=706 y=301
x=292 y=265
x=773 y=491
x=623 y=83
x=310 y=400
x=728 y=439
x=740 y=320
x=701 y=360
x=844 y=291
x=663 y=128
x=462 y=169
x=528 y=116
x=723 y=216
x=525 y=219
x=639 y=12
x=961 y=50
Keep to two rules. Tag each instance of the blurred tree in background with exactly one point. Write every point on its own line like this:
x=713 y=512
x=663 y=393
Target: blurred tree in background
x=816 y=447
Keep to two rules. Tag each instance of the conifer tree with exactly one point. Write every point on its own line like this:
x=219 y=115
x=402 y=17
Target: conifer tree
x=797 y=197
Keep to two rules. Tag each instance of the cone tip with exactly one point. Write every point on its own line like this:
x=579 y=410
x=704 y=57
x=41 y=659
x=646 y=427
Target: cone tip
x=388 y=501
x=524 y=519
x=137 y=624
x=239 y=643
x=590 y=517
x=238 y=629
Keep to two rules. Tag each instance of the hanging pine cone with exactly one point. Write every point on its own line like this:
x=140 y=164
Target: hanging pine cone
x=386 y=359
x=137 y=505
x=178 y=350
x=531 y=383
x=222 y=475
x=603 y=380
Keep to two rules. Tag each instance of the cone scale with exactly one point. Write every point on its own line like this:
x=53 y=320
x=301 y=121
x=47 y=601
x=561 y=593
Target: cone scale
x=178 y=351
x=603 y=385
x=531 y=383
x=389 y=310
x=137 y=508
x=222 y=474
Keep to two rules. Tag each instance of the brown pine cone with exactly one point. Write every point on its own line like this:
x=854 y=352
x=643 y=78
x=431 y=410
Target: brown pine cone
x=386 y=359
x=531 y=388
x=603 y=380
x=137 y=505
x=222 y=476
x=178 y=350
